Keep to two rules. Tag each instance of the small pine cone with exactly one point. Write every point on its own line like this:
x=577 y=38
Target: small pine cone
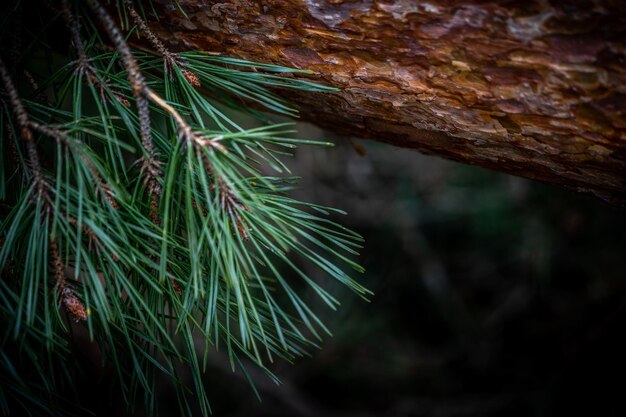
x=73 y=305
x=191 y=77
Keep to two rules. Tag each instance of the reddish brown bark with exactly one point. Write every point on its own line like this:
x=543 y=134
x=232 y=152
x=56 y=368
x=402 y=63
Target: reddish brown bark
x=532 y=88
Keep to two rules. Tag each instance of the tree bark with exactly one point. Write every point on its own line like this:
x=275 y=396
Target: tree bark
x=531 y=88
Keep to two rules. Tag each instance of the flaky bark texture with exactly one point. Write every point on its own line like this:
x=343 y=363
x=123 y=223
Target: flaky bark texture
x=532 y=88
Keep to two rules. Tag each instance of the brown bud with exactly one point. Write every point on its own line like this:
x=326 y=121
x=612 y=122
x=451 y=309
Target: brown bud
x=73 y=305
x=191 y=77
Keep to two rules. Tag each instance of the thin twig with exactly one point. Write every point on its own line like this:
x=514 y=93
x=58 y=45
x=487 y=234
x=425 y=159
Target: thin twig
x=186 y=132
x=61 y=137
x=26 y=133
x=74 y=28
x=184 y=127
x=171 y=59
x=84 y=64
x=151 y=166
x=68 y=298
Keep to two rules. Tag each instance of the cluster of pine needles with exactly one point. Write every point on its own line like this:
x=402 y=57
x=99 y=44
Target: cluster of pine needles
x=135 y=210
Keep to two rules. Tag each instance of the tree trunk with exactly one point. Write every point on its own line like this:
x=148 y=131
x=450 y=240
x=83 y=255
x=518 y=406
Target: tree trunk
x=532 y=88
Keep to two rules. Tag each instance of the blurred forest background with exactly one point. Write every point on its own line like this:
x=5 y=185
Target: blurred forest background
x=494 y=296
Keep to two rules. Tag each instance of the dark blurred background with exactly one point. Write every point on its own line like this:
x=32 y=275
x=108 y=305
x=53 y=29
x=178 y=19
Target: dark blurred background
x=494 y=296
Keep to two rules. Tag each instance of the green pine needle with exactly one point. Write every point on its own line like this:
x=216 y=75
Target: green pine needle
x=163 y=245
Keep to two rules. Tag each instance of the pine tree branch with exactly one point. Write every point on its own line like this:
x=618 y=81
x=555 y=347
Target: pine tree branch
x=74 y=28
x=151 y=166
x=84 y=63
x=68 y=298
x=228 y=228
x=26 y=133
x=141 y=91
x=137 y=79
x=185 y=131
x=61 y=137
x=171 y=59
